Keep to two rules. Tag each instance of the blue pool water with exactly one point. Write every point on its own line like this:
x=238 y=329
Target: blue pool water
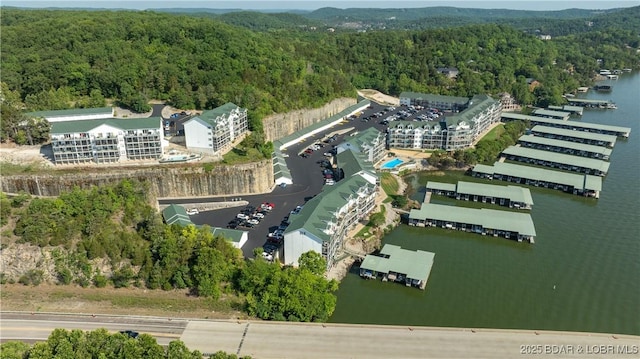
x=392 y=164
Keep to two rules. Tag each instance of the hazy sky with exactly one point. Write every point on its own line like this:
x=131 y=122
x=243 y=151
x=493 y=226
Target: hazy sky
x=314 y=4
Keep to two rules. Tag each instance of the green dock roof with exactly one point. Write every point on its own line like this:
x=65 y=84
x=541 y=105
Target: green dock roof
x=576 y=134
x=441 y=186
x=542 y=113
x=119 y=123
x=413 y=264
x=547 y=156
x=72 y=112
x=539 y=140
x=487 y=218
x=584 y=126
x=514 y=193
x=575 y=180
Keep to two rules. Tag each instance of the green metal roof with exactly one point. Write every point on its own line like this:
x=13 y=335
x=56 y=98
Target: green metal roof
x=441 y=186
x=318 y=211
x=577 y=181
x=225 y=109
x=352 y=162
x=547 y=156
x=119 y=123
x=477 y=105
x=578 y=125
x=542 y=112
x=487 y=218
x=430 y=125
x=565 y=144
x=232 y=235
x=435 y=98
x=364 y=140
x=514 y=193
x=413 y=264
x=72 y=112
x=576 y=134
x=298 y=134
x=175 y=214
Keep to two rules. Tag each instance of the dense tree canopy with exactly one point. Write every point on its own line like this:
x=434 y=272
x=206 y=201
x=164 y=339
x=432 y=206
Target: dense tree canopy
x=115 y=222
x=100 y=344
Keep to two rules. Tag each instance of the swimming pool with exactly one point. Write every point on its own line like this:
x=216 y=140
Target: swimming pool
x=392 y=164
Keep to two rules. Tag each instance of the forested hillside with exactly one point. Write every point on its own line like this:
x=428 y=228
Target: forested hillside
x=115 y=225
x=61 y=59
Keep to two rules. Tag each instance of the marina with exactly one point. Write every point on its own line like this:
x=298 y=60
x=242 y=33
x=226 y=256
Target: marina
x=567 y=147
x=589 y=138
x=412 y=268
x=578 y=184
x=491 y=222
x=574 y=110
x=569 y=125
x=591 y=103
x=556 y=160
x=556 y=115
x=509 y=196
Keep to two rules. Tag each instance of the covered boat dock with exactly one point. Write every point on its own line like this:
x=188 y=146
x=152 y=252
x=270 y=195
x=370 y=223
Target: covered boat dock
x=566 y=147
x=557 y=115
x=557 y=160
x=589 y=138
x=399 y=265
x=569 y=125
x=579 y=184
x=510 y=196
x=507 y=224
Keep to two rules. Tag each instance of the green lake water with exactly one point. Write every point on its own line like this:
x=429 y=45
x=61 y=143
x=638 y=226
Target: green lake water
x=582 y=274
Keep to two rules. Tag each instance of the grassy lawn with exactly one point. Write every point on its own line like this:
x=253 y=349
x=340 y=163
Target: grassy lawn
x=237 y=156
x=174 y=303
x=389 y=184
x=494 y=133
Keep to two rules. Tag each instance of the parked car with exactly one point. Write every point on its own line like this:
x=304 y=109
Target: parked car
x=259 y=215
x=253 y=221
x=130 y=333
x=192 y=211
x=242 y=216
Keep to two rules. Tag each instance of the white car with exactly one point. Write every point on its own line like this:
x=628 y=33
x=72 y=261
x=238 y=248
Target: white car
x=259 y=215
x=253 y=221
x=192 y=211
x=285 y=155
x=242 y=216
x=267 y=256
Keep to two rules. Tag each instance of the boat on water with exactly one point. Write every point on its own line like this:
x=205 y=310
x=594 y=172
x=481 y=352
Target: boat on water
x=603 y=88
x=611 y=106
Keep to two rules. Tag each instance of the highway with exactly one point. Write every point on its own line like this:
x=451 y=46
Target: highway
x=263 y=340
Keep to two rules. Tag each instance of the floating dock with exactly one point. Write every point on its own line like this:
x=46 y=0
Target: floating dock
x=507 y=224
x=399 y=265
x=509 y=196
x=589 y=138
x=578 y=184
x=569 y=125
x=567 y=147
x=556 y=115
x=606 y=104
x=574 y=110
x=560 y=161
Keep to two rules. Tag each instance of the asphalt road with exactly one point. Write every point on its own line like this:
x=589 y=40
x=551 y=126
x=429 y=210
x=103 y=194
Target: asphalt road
x=263 y=340
x=38 y=326
x=307 y=182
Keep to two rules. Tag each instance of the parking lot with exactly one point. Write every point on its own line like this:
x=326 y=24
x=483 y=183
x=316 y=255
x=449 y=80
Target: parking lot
x=308 y=178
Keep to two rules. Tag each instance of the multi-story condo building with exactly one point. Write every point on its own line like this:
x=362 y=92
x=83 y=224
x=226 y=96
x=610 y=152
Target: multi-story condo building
x=370 y=142
x=453 y=132
x=324 y=222
x=215 y=130
x=442 y=103
x=106 y=140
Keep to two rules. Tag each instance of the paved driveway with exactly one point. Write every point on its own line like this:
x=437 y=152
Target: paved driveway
x=307 y=182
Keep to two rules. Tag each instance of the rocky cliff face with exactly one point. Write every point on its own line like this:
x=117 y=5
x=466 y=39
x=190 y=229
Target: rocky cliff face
x=190 y=180
x=284 y=124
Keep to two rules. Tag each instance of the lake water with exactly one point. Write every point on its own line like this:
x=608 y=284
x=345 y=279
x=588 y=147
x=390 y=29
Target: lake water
x=582 y=274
